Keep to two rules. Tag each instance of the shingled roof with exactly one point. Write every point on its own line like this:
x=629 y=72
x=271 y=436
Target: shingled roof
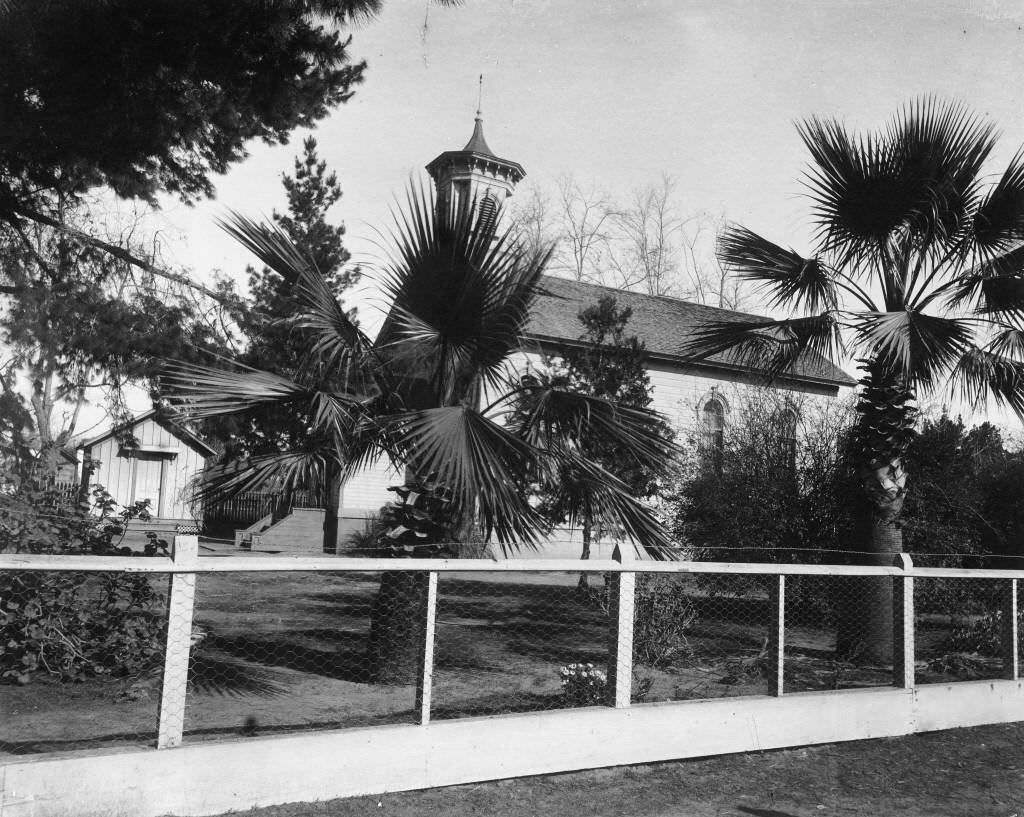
x=662 y=323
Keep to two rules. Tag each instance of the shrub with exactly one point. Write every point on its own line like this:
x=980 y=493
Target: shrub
x=663 y=613
x=73 y=625
x=984 y=636
x=583 y=685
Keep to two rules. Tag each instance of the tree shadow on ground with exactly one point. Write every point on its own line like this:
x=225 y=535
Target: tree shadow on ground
x=346 y=661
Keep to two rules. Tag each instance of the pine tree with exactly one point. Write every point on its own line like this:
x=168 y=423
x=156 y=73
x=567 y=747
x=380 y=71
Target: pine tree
x=612 y=365
x=274 y=345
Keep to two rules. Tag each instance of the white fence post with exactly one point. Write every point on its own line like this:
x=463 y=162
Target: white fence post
x=622 y=598
x=180 y=607
x=903 y=625
x=1011 y=635
x=776 y=635
x=425 y=677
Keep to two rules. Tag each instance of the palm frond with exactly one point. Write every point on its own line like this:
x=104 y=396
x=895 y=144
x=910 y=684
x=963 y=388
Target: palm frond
x=972 y=289
x=606 y=501
x=268 y=242
x=479 y=461
x=943 y=145
x=771 y=346
x=279 y=471
x=337 y=343
x=199 y=391
x=914 y=346
x=980 y=374
x=559 y=420
x=998 y=222
x=461 y=294
x=1008 y=343
x=918 y=178
x=790 y=279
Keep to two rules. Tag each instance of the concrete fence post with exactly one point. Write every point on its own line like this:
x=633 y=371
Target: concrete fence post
x=1011 y=634
x=180 y=609
x=425 y=676
x=622 y=599
x=903 y=625
x=776 y=634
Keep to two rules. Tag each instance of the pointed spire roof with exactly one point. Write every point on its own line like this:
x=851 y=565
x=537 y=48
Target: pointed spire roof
x=477 y=143
x=476 y=153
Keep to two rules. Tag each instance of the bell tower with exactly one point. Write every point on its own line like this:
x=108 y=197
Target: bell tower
x=474 y=174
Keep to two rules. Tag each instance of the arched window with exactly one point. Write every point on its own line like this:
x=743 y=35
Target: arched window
x=713 y=428
x=787 y=421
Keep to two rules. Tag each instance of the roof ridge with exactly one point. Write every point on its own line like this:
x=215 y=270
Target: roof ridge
x=667 y=298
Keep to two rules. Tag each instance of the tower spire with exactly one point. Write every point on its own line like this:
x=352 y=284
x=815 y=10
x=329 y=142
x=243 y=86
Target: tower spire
x=476 y=142
x=474 y=176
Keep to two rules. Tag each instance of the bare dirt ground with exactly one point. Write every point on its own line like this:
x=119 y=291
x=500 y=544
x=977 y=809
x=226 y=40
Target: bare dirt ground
x=959 y=773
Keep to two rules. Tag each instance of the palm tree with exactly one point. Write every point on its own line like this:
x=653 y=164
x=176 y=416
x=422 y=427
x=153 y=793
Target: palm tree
x=434 y=393
x=917 y=274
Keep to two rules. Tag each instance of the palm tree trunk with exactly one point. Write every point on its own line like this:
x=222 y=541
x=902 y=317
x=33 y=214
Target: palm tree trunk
x=397 y=615
x=584 y=584
x=865 y=604
x=396 y=630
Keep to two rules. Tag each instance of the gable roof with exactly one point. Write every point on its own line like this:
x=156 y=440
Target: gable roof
x=161 y=419
x=662 y=323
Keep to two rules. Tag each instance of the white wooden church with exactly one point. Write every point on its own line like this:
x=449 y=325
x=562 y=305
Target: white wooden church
x=694 y=396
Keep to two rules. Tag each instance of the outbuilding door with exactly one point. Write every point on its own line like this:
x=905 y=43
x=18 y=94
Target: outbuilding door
x=148 y=480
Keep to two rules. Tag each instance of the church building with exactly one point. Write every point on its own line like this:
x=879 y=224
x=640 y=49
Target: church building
x=696 y=397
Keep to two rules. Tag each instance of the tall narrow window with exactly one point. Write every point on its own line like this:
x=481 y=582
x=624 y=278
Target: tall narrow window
x=713 y=420
x=787 y=438
x=488 y=212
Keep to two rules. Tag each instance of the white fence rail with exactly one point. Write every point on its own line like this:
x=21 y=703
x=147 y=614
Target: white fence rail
x=205 y=778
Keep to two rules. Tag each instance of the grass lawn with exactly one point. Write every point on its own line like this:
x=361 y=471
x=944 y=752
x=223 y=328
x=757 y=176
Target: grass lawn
x=286 y=652
x=977 y=772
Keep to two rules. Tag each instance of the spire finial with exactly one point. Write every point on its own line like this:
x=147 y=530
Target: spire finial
x=480 y=98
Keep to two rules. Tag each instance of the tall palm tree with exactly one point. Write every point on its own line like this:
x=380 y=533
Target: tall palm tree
x=434 y=393
x=917 y=275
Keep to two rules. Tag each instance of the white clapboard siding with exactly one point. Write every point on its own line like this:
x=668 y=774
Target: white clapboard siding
x=116 y=468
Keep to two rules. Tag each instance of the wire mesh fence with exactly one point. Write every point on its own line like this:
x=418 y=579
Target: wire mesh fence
x=83 y=655
x=519 y=642
x=282 y=652
x=81 y=659
x=960 y=629
x=699 y=636
x=829 y=641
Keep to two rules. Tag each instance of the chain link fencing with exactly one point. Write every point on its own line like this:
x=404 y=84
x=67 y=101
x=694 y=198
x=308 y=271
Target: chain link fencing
x=273 y=651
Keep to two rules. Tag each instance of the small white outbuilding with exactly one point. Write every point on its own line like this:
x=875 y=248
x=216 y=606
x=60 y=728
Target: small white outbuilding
x=151 y=457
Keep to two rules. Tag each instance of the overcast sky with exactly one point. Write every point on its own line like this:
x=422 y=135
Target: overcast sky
x=619 y=92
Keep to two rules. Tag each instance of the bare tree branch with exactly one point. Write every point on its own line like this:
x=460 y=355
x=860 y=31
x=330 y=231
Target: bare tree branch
x=112 y=249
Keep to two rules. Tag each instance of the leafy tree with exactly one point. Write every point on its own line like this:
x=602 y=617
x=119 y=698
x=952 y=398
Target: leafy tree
x=145 y=98
x=777 y=491
x=945 y=511
x=918 y=271
x=610 y=365
x=461 y=294
x=83 y=324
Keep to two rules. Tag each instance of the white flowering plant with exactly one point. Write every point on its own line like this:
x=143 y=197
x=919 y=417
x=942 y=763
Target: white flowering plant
x=583 y=684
